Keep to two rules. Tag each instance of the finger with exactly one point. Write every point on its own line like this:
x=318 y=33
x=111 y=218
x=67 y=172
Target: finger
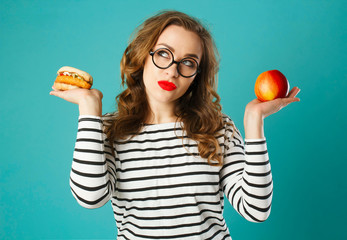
x=290 y=100
x=293 y=92
x=286 y=101
x=56 y=93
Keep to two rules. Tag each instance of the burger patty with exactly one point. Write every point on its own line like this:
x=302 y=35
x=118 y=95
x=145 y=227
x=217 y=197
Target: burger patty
x=73 y=81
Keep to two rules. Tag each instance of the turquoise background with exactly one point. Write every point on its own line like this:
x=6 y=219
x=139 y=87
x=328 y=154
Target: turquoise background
x=305 y=40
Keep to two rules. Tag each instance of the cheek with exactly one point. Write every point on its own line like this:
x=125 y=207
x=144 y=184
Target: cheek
x=189 y=82
x=148 y=71
x=185 y=84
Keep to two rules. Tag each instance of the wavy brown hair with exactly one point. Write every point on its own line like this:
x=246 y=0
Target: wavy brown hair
x=199 y=108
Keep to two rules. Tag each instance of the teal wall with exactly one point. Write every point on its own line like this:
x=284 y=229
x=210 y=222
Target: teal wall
x=306 y=40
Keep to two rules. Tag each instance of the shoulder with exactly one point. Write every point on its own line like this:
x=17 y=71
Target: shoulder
x=226 y=118
x=227 y=121
x=108 y=118
x=230 y=128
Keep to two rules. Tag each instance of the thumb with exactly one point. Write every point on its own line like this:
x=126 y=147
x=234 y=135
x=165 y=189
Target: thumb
x=55 y=92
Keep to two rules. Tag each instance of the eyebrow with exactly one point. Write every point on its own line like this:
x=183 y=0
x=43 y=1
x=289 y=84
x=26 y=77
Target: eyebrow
x=173 y=50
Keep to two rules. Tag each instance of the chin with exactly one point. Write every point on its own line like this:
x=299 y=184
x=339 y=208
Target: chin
x=162 y=98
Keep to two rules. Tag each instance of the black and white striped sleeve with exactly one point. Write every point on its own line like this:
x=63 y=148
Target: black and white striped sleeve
x=246 y=176
x=93 y=174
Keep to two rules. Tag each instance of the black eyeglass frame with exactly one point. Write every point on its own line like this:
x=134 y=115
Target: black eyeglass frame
x=177 y=62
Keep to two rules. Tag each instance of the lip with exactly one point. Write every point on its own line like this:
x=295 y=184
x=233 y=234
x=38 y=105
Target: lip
x=168 y=86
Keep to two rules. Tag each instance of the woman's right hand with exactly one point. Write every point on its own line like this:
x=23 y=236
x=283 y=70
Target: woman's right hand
x=88 y=100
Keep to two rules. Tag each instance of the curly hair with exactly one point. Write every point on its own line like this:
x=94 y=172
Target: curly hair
x=199 y=108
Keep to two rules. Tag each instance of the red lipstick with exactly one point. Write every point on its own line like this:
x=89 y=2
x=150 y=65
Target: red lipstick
x=168 y=86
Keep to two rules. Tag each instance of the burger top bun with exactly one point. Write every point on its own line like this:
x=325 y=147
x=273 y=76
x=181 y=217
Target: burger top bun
x=86 y=76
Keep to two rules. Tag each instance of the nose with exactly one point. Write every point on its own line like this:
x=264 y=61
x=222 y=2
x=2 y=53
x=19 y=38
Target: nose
x=172 y=70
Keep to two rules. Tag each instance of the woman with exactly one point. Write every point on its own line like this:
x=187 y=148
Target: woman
x=173 y=154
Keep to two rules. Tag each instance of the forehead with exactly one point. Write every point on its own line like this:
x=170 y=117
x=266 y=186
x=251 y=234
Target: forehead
x=181 y=40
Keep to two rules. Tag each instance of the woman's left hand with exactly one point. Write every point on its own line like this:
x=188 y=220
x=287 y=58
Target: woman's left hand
x=265 y=109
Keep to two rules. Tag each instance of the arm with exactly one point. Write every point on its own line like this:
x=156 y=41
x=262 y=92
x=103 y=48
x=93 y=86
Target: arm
x=93 y=174
x=93 y=171
x=246 y=176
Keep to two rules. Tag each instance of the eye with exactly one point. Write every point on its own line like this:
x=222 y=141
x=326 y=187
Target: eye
x=189 y=63
x=163 y=53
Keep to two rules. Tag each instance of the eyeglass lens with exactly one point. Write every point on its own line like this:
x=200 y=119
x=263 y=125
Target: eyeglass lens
x=163 y=58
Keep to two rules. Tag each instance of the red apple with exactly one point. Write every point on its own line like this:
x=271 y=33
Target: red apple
x=270 y=85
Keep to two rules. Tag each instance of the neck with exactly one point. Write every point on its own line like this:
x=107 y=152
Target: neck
x=161 y=113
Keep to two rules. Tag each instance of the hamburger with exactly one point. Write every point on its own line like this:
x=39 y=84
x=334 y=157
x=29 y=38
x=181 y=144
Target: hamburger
x=71 y=78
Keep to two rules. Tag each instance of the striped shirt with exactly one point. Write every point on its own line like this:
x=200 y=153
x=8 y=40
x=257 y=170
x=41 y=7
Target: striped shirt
x=159 y=186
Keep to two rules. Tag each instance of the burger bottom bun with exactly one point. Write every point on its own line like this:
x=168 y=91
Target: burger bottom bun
x=63 y=86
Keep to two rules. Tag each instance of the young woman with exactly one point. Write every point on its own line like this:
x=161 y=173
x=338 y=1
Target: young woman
x=168 y=155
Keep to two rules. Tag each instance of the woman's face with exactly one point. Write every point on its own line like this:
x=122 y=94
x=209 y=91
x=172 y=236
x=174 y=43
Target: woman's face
x=159 y=82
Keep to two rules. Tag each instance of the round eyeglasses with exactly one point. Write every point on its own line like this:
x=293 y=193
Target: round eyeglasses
x=163 y=58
